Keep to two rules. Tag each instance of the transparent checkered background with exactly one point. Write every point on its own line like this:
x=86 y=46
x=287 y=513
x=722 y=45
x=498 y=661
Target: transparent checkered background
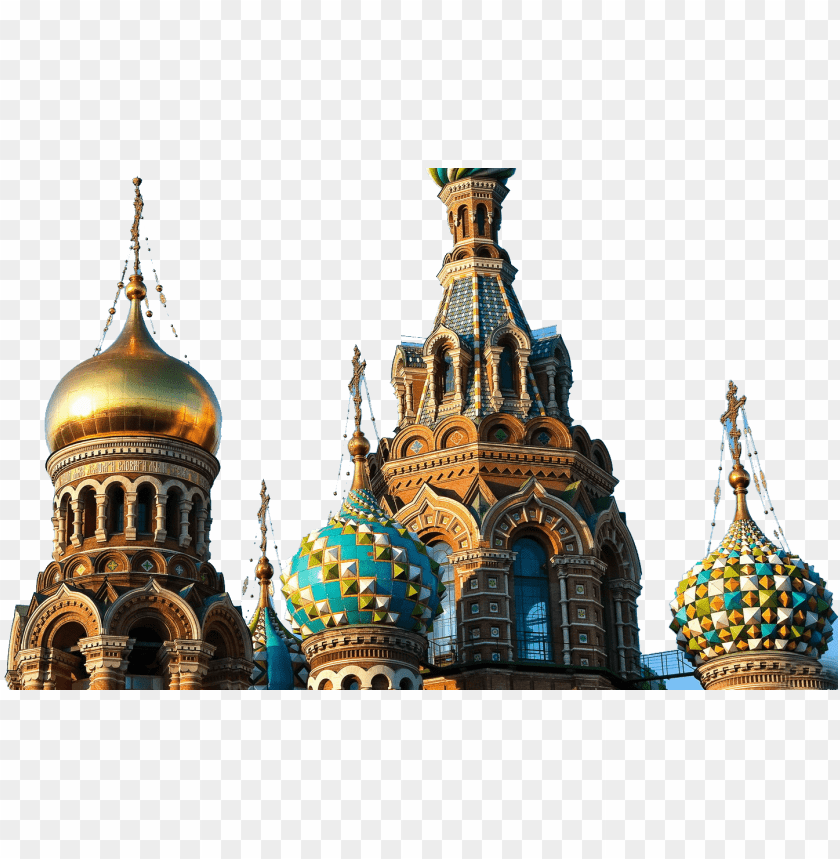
x=672 y=212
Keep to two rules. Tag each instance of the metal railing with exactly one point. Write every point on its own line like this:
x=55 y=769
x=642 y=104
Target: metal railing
x=667 y=665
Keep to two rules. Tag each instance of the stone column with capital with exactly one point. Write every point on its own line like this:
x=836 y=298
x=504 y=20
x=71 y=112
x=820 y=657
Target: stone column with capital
x=101 y=502
x=431 y=393
x=456 y=368
x=106 y=659
x=496 y=399
x=564 y=617
x=57 y=542
x=160 y=517
x=130 y=515
x=551 y=406
x=184 y=539
x=32 y=667
x=76 y=538
x=62 y=533
x=524 y=397
x=60 y=669
x=409 y=397
x=619 y=634
x=187 y=661
x=200 y=514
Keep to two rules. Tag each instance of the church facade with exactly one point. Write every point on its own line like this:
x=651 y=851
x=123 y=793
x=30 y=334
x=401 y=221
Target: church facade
x=511 y=498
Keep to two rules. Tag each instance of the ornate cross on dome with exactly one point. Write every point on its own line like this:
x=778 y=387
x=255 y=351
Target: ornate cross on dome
x=135 y=227
x=731 y=415
x=356 y=384
x=264 y=499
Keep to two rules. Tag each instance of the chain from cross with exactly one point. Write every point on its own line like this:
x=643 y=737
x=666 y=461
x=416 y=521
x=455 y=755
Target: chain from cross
x=731 y=414
x=135 y=227
x=264 y=499
x=355 y=386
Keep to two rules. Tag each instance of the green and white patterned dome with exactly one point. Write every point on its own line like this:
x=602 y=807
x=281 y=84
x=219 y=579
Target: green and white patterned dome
x=750 y=595
x=445 y=175
x=363 y=568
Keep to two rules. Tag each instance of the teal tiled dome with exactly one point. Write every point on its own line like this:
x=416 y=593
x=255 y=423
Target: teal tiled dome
x=363 y=568
x=750 y=595
x=444 y=175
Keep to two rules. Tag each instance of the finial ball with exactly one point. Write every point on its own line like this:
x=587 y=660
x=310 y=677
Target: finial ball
x=137 y=181
x=358 y=444
x=739 y=478
x=136 y=288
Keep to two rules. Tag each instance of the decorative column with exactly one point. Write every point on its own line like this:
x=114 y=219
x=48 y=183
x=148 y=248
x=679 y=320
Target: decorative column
x=200 y=545
x=106 y=659
x=101 y=506
x=187 y=661
x=160 y=517
x=430 y=381
x=524 y=399
x=61 y=515
x=565 y=387
x=495 y=354
x=564 y=618
x=619 y=634
x=60 y=668
x=399 y=392
x=76 y=539
x=551 y=405
x=459 y=394
x=57 y=542
x=130 y=515
x=184 y=507
x=208 y=521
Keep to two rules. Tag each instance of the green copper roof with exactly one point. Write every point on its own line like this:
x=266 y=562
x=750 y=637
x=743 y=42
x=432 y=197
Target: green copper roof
x=444 y=175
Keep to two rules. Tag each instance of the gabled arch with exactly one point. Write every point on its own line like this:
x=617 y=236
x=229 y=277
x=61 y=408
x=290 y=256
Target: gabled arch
x=512 y=330
x=156 y=603
x=452 y=424
x=440 y=335
x=537 y=509
x=610 y=529
x=514 y=427
x=430 y=514
x=66 y=605
x=220 y=614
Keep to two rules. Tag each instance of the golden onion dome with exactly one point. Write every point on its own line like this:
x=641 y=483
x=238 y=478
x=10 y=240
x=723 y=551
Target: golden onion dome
x=134 y=388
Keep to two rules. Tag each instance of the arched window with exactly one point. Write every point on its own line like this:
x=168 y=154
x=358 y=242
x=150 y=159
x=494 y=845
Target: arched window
x=443 y=638
x=463 y=217
x=88 y=501
x=530 y=593
x=506 y=371
x=116 y=510
x=145 y=502
x=480 y=219
x=173 y=514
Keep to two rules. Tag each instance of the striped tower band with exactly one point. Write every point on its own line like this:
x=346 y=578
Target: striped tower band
x=476 y=349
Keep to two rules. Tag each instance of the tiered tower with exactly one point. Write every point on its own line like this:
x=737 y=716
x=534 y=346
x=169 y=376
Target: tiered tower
x=507 y=494
x=751 y=614
x=363 y=591
x=130 y=599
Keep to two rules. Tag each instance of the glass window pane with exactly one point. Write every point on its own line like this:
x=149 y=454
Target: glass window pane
x=530 y=581
x=443 y=636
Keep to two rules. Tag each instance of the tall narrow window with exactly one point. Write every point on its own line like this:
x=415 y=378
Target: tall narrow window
x=116 y=510
x=530 y=590
x=88 y=499
x=173 y=514
x=144 y=509
x=448 y=374
x=506 y=370
x=480 y=219
x=442 y=640
x=463 y=217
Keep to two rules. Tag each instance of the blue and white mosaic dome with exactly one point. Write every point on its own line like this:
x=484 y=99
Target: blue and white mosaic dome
x=363 y=568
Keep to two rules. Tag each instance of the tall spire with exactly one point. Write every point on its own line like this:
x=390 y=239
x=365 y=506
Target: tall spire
x=739 y=479
x=135 y=227
x=264 y=571
x=358 y=445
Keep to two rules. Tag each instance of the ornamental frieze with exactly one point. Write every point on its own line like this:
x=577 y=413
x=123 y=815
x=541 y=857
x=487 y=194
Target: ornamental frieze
x=137 y=466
